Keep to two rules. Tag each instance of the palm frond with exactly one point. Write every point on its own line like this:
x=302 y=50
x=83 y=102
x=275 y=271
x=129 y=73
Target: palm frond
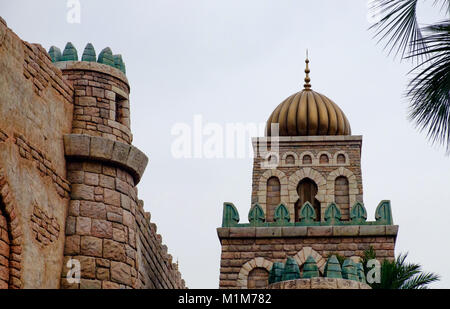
x=398 y=274
x=420 y=281
x=398 y=25
x=429 y=90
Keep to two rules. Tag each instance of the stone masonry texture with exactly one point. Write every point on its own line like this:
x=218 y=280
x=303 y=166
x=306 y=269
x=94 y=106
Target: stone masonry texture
x=237 y=251
x=68 y=176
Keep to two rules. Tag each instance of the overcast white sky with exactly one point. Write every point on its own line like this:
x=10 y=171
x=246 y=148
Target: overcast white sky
x=235 y=61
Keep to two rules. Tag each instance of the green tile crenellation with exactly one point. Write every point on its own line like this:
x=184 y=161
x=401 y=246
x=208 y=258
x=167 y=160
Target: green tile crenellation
x=358 y=216
x=350 y=270
x=70 y=53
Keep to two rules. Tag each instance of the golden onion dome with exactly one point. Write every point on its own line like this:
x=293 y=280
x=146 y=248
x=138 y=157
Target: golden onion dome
x=308 y=113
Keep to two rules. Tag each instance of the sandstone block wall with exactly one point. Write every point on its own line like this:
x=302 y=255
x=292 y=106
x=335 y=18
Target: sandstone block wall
x=101 y=229
x=101 y=106
x=245 y=249
x=156 y=267
x=107 y=229
x=76 y=199
x=4 y=252
x=36 y=110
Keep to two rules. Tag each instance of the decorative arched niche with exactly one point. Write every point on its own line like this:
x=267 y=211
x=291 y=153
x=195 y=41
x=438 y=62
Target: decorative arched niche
x=295 y=179
x=352 y=185
x=259 y=262
x=289 y=158
x=341 y=158
x=262 y=188
x=303 y=254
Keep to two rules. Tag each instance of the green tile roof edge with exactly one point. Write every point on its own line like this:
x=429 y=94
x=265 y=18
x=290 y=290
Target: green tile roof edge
x=383 y=216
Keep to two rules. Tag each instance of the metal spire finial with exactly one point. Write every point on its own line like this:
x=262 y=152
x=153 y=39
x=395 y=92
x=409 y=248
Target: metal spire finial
x=307 y=79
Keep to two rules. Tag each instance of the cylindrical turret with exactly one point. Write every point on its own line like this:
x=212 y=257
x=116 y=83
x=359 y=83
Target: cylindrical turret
x=103 y=169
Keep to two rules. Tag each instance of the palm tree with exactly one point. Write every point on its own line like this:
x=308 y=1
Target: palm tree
x=429 y=47
x=398 y=274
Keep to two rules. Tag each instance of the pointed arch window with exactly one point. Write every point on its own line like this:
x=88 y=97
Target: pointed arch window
x=307 y=191
x=272 y=197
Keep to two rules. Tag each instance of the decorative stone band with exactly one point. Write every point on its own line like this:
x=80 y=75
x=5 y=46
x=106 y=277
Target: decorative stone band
x=307 y=231
x=106 y=150
x=321 y=138
x=319 y=283
x=94 y=66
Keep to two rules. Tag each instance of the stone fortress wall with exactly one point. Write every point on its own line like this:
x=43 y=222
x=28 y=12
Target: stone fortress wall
x=68 y=175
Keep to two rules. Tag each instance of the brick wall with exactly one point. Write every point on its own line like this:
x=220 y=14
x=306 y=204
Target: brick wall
x=107 y=229
x=241 y=245
x=101 y=106
x=35 y=112
x=4 y=250
x=59 y=202
x=156 y=267
x=100 y=227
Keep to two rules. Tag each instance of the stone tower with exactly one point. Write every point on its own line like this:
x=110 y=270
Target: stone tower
x=69 y=204
x=307 y=196
x=103 y=169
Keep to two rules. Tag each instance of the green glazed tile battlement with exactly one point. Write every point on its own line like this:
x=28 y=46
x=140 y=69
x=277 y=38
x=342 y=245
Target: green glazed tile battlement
x=70 y=53
x=333 y=269
x=358 y=216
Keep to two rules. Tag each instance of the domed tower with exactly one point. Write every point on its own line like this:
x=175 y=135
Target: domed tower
x=313 y=153
x=307 y=196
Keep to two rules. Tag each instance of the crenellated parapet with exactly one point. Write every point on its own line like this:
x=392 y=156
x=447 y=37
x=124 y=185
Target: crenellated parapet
x=261 y=248
x=70 y=53
x=358 y=216
x=156 y=268
x=101 y=91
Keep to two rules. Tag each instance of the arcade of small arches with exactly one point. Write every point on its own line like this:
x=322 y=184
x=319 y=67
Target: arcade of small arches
x=307 y=185
x=306 y=158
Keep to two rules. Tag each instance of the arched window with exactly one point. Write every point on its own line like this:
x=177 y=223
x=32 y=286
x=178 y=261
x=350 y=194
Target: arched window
x=307 y=191
x=290 y=160
x=4 y=248
x=272 y=160
x=341 y=195
x=341 y=159
x=324 y=159
x=307 y=159
x=272 y=197
x=258 y=278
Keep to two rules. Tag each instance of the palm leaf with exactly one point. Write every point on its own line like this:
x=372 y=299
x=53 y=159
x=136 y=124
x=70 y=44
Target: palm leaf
x=398 y=274
x=429 y=90
x=398 y=25
x=420 y=281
